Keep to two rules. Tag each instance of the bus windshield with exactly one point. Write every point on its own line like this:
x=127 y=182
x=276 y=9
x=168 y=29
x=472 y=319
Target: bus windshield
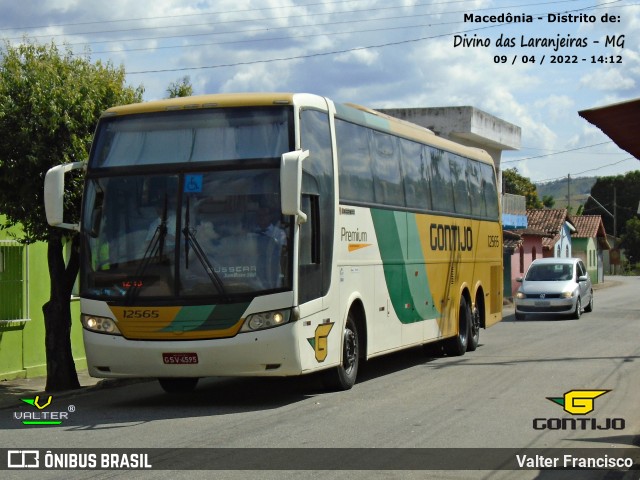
x=186 y=204
x=211 y=234
x=179 y=137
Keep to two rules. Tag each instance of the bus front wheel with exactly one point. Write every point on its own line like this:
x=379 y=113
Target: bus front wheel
x=178 y=385
x=343 y=377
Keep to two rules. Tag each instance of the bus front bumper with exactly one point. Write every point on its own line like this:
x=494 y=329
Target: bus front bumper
x=272 y=352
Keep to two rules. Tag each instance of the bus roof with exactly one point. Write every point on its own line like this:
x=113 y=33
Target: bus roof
x=204 y=101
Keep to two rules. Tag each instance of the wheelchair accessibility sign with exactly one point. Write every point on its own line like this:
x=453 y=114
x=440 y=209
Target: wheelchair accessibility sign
x=193 y=183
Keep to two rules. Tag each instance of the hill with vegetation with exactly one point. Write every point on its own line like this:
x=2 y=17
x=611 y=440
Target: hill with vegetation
x=580 y=188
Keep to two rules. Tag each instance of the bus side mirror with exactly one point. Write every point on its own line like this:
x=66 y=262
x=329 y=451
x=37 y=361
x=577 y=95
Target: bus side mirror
x=291 y=184
x=54 y=195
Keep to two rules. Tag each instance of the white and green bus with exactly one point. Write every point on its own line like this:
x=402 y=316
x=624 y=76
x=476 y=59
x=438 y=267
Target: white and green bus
x=277 y=235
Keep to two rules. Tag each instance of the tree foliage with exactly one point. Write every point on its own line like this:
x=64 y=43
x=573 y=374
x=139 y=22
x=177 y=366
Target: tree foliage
x=180 y=88
x=625 y=188
x=548 y=201
x=50 y=101
x=630 y=240
x=517 y=184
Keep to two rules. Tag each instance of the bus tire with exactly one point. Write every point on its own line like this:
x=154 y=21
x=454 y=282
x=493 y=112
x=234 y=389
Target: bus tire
x=178 y=385
x=474 y=330
x=457 y=346
x=344 y=376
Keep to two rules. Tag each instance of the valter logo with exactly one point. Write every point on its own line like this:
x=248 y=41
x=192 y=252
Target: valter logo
x=578 y=403
x=42 y=415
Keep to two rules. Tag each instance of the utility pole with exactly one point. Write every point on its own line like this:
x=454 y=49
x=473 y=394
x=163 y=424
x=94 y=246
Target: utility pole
x=615 y=217
x=569 y=192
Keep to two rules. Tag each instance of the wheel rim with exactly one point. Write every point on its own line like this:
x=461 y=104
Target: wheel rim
x=463 y=334
x=475 y=322
x=350 y=350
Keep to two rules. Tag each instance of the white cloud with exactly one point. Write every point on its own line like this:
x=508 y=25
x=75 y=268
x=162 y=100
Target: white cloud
x=542 y=99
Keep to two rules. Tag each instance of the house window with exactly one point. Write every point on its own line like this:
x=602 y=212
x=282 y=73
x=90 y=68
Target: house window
x=11 y=282
x=567 y=251
x=533 y=253
x=558 y=252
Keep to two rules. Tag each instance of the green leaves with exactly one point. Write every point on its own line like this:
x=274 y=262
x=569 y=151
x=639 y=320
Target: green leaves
x=516 y=184
x=50 y=102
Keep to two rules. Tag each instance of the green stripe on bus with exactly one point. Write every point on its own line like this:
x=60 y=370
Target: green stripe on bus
x=207 y=317
x=404 y=271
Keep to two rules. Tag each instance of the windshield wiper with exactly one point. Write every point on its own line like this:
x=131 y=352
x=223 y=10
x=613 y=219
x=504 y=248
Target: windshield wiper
x=191 y=241
x=155 y=248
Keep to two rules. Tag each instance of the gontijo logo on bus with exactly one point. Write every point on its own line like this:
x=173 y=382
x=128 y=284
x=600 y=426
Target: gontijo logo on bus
x=450 y=237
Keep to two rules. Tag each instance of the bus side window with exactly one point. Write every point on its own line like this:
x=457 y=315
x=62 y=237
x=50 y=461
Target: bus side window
x=309 y=231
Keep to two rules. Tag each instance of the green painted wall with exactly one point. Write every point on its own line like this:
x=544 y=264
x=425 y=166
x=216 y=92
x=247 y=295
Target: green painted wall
x=585 y=248
x=22 y=352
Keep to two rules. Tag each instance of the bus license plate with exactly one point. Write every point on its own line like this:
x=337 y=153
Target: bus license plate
x=180 y=358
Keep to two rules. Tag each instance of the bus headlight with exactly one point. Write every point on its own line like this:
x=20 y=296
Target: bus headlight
x=262 y=320
x=100 y=324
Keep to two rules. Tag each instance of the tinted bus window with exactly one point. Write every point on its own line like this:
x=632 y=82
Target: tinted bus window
x=415 y=167
x=356 y=179
x=386 y=170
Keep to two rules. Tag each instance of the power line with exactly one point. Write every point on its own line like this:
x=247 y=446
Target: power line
x=302 y=56
x=244 y=20
x=335 y=52
x=556 y=153
x=270 y=39
x=161 y=17
x=587 y=171
x=222 y=12
x=218 y=23
x=312 y=55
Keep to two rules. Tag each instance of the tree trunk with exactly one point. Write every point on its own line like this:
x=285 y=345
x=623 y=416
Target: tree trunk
x=61 y=369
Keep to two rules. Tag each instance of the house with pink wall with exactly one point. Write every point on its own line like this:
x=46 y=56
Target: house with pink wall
x=528 y=249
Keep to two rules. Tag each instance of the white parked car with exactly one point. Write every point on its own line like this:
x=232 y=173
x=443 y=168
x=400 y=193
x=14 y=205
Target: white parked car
x=559 y=286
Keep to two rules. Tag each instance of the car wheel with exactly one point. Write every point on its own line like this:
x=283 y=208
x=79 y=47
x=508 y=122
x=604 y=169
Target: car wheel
x=578 y=311
x=457 y=346
x=344 y=376
x=589 y=308
x=178 y=385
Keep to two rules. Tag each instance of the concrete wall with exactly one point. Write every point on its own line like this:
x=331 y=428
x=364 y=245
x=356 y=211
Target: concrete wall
x=467 y=126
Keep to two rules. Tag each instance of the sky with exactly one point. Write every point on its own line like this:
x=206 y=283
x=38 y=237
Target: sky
x=380 y=54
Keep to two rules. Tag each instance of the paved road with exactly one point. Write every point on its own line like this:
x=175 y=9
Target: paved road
x=488 y=398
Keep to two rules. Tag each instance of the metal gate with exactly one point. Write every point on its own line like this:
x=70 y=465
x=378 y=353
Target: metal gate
x=13 y=280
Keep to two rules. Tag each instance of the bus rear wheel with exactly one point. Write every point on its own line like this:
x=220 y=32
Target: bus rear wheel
x=457 y=346
x=474 y=330
x=178 y=385
x=344 y=376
